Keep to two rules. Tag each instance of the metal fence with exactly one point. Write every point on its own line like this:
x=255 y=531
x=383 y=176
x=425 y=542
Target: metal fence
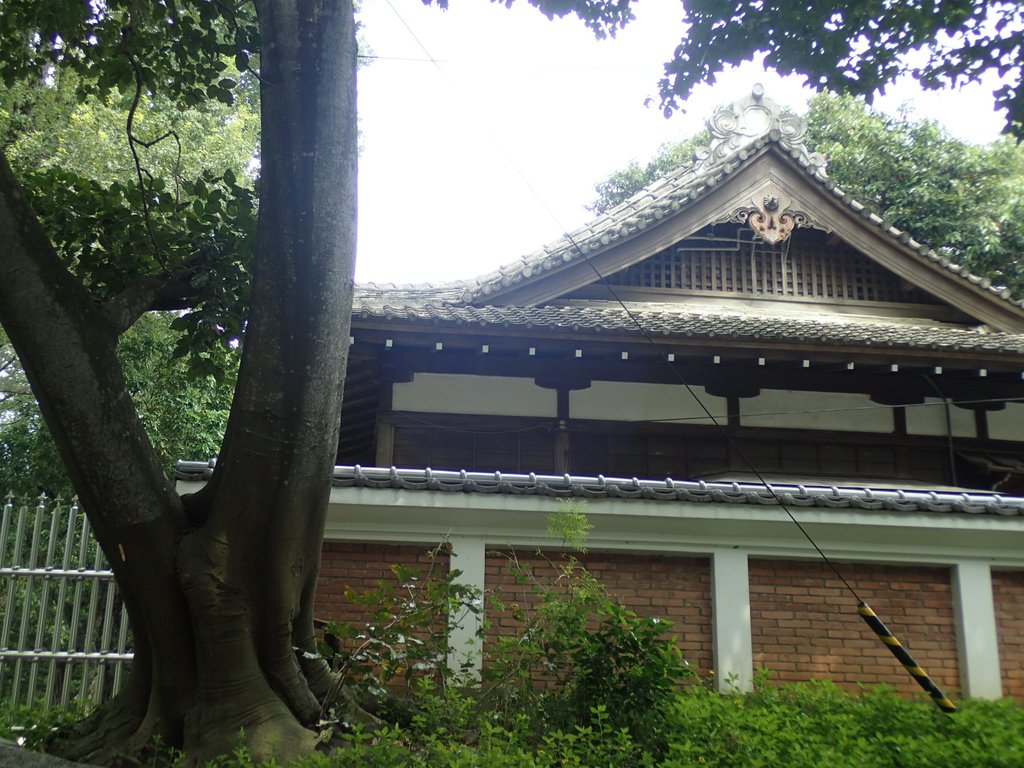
x=64 y=637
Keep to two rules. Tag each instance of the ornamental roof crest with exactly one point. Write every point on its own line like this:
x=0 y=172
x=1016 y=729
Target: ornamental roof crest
x=749 y=123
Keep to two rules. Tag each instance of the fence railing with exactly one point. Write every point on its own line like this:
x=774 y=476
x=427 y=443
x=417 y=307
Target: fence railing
x=64 y=633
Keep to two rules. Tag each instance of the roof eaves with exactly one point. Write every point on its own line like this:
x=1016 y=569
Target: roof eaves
x=590 y=487
x=866 y=212
x=561 y=486
x=728 y=326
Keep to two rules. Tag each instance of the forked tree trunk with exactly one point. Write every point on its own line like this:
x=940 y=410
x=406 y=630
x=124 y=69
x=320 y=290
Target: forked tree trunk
x=220 y=598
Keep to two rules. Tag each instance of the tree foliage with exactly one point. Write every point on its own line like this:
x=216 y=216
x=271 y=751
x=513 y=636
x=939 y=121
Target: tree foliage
x=603 y=17
x=623 y=183
x=184 y=413
x=29 y=461
x=857 y=47
x=179 y=49
x=46 y=125
x=963 y=199
x=74 y=157
x=131 y=127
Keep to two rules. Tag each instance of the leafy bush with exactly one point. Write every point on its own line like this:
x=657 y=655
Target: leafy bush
x=819 y=724
x=33 y=726
x=796 y=726
x=403 y=639
x=580 y=659
x=583 y=659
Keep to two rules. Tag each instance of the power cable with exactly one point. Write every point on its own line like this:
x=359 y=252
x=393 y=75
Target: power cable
x=511 y=65
x=765 y=414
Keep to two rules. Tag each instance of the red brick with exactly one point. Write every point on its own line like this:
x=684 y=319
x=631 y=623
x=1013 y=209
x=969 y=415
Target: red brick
x=1008 y=593
x=821 y=636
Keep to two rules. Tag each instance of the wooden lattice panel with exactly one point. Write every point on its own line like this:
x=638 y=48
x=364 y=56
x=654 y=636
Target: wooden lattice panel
x=805 y=266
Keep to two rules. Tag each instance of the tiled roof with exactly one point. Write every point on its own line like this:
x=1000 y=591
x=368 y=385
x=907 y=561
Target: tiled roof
x=679 y=320
x=734 y=143
x=571 y=486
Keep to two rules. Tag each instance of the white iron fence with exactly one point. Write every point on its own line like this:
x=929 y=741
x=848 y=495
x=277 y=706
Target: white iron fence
x=64 y=637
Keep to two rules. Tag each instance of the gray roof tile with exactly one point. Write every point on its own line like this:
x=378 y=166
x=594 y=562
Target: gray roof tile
x=831 y=497
x=681 y=320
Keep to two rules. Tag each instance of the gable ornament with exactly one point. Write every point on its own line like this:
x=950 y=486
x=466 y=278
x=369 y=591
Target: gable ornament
x=769 y=218
x=744 y=124
x=773 y=215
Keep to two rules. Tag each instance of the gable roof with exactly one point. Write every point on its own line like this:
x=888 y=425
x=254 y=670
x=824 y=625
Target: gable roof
x=757 y=153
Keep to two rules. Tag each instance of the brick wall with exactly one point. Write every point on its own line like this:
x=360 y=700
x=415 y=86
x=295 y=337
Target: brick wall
x=673 y=588
x=362 y=567
x=805 y=623
x=1008 y=592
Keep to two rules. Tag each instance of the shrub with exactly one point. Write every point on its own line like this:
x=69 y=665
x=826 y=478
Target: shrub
x=404 y=635
x=581 y=659
x=34 y=726
x=804 y=725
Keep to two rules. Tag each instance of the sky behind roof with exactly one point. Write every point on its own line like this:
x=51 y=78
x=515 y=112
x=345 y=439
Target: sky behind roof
x=491 y=152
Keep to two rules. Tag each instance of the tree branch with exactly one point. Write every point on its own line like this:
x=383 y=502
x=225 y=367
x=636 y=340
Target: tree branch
x=29 y=260
x=148 y=294
x=140 y=173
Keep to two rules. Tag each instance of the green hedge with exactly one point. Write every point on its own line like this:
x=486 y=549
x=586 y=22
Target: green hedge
x=799 y=726
x=819 y=725
x=796 y=726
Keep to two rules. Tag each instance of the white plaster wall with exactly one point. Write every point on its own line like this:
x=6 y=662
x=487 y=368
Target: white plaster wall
x=930 y=419
x=791 y=409
x=1007 y=424
x=478 y=395
x=628 y=401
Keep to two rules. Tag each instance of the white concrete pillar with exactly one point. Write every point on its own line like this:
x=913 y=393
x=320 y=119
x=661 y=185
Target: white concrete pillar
x=469 y=554
x=977 y=638
x=731 y=632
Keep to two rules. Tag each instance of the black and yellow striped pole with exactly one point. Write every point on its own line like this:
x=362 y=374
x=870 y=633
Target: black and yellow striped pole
x=891 y=642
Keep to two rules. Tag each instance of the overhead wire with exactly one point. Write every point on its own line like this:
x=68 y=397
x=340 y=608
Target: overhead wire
x=767 y=414
x=512 y=65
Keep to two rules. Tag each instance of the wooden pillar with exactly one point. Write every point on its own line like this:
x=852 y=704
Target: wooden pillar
x=563 y=443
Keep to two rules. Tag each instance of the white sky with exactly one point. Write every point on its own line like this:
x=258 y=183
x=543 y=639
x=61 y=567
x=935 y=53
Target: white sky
x=493 y=152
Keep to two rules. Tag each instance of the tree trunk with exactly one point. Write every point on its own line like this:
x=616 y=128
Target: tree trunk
x=220 y=598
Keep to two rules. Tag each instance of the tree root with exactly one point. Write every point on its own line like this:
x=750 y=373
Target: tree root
x=277 y=736
x=102 y=736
